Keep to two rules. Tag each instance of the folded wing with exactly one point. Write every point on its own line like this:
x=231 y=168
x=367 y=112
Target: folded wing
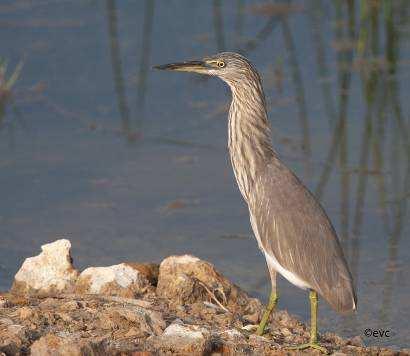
x=294 y=231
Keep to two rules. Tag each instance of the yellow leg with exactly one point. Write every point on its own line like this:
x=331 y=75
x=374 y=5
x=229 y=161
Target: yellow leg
x=273 y=300
x=313 y=327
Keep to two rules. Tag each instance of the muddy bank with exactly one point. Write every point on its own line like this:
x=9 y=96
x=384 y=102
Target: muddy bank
x=182 y=306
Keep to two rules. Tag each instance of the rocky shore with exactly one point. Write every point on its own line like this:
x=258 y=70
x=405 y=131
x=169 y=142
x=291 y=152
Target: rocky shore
x=183 y=306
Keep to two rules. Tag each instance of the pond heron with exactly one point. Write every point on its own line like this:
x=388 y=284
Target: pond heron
x=292 y=229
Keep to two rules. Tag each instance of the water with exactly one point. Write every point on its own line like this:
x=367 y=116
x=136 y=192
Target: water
x=131 y=164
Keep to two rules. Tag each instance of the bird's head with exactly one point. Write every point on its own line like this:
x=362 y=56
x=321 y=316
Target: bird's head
x=230 y=67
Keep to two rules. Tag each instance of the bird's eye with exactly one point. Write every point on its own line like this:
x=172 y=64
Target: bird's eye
x=220 y=64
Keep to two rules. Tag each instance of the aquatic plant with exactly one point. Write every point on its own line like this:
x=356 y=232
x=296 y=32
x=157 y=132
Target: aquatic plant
x=7 y=83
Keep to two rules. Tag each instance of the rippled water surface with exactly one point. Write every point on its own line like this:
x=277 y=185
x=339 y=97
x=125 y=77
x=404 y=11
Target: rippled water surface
x=131 y=164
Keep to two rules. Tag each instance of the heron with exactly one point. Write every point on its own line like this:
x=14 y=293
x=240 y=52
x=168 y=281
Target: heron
x=291 y=227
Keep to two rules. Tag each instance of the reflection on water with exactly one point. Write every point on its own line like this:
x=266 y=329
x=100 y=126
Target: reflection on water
x=335 y=75
x=116 y=62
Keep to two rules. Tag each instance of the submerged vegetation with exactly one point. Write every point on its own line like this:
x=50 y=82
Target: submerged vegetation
x=7 y=83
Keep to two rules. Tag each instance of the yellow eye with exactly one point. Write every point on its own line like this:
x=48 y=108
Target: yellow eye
x=220 y=64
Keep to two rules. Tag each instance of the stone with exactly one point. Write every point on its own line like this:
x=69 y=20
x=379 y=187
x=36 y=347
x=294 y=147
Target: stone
x=205 y=314
x=48 y=304
x=233 y=335
x=51 y=272
x=149 y=322
x=259 y=344
x=232 y=342
x=25 y=313
x=182 y=339
x=16 y=329
x=356 y=341
x=3 y=302
x=187 y=279
x=119 y=280
x=53 y=345
x=149 y=270
x=9 y=346
x=71 y=305
x=5 y=322
x=10 y=337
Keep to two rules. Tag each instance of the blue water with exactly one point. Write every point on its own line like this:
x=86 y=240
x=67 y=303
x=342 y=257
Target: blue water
x=131 y=164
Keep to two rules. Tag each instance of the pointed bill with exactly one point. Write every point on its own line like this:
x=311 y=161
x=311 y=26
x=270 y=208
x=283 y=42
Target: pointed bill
x=190 y=66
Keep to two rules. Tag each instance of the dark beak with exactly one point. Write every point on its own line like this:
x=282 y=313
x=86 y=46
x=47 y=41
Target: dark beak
x=191 y=66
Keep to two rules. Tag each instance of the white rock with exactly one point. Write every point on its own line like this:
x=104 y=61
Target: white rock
x=250 y=327
x=49 y=272
x=233 y=334
x=181 y=259
x=183 y=331
x=121 y=279
x=182 y=339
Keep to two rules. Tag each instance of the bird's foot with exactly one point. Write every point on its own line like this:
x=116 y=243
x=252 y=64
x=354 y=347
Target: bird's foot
x=313 y=345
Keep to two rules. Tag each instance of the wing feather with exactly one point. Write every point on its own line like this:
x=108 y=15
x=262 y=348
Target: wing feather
x=294 y=229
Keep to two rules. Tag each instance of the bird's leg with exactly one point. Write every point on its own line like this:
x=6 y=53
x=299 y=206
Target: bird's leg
x=273 y=300
x=313 y=326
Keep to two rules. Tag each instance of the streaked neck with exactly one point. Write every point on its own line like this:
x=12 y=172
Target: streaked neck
x=249 y=140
